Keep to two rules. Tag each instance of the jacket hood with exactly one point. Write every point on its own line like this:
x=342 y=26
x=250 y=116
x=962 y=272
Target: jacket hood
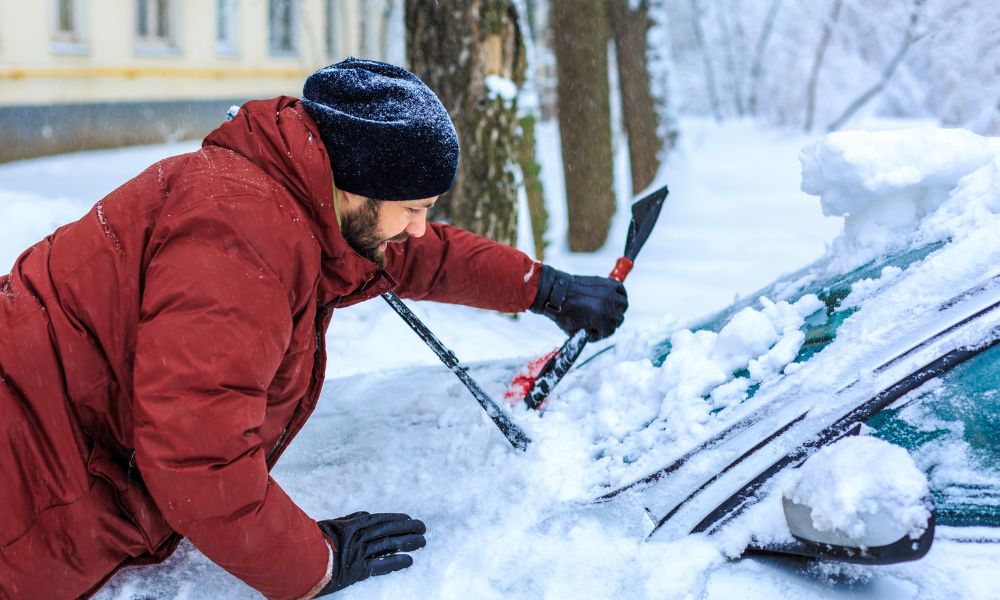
x=280 y=137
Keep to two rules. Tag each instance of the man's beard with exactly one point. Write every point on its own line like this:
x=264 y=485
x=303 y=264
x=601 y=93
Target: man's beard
x=360 y=229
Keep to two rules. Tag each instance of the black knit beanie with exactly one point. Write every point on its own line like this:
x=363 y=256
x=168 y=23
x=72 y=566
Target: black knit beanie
x=387 y=134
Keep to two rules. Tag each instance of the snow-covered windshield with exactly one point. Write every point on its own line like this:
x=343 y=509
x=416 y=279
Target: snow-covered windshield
x=916 y=237
x=701 y=374
x=820 y=327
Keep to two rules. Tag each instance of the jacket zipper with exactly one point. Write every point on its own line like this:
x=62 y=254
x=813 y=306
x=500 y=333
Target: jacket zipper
x=277 y=447
x=130 y=468
x=322 y=310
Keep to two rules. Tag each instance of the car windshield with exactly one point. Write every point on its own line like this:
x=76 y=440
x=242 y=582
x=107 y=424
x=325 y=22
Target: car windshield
x=951 y=426
x=820 y=328
x=703 y=382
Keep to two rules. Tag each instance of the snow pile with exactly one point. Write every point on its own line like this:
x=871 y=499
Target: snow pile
x=895 y=188
x=501 y=87
x=754 y=344
x=857 y=478
x=903 y=191
x=627 y=413
x=863 y=289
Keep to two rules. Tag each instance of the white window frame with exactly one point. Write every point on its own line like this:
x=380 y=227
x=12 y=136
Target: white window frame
x=72 y=40
x=152 y=43
x=294 y=29
x=227 y=27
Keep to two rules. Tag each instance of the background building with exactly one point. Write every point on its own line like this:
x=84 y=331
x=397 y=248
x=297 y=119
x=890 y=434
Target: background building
x=79 y=74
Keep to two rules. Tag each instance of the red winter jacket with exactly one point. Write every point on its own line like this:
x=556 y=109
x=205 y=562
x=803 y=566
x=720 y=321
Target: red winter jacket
x=157 y=356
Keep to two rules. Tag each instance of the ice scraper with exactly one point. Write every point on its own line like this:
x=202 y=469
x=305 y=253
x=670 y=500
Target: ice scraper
x=536 y=380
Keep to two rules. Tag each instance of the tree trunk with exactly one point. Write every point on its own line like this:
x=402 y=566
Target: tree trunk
x=824 y=42
x=581 y=44
x=471 y=53
x=630 y=28
x=531 y=110
x=531 y=175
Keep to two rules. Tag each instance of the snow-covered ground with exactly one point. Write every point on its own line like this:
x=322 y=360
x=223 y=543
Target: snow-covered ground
x=391 y=437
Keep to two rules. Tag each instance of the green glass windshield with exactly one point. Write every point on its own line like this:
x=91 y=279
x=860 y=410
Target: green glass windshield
x=951 y=426
x=820 y=328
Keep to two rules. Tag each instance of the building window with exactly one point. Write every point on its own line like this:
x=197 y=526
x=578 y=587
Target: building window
x=283 y=21
x=66 y=19
x=67 y=27
x=155 y=24
x=227 y=27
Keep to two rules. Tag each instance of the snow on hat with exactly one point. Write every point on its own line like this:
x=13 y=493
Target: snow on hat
x=387 y=134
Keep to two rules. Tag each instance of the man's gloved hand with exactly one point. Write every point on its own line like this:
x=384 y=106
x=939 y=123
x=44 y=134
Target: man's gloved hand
x=365 y=545
x=575 y=302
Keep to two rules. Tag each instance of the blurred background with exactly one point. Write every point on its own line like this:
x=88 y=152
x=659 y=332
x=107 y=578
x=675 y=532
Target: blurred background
x=621 y=77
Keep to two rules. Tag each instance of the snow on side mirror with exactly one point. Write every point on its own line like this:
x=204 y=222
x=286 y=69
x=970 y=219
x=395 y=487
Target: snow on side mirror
x=859 y=500
x=885 y=542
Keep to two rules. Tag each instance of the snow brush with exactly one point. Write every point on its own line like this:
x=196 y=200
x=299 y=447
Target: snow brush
x=514 y=434
x=536 y=381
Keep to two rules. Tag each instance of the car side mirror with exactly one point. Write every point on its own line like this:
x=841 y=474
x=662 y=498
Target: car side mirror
x=885 y=541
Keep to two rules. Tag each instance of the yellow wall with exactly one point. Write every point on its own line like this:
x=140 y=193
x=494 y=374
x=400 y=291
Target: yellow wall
x=108 y=67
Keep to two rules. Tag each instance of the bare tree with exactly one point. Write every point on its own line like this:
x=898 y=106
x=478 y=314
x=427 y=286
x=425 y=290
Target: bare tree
x=581 y=43
x=728 y=46
x=824 y=42
x=630 y=27
x=910 y=36
x=530 y=112
x=532 y=183
x=758 y=55
x=476 y=69
x=699 y=36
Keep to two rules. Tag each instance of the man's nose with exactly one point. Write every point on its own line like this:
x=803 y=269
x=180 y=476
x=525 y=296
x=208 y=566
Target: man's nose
x=418 y=225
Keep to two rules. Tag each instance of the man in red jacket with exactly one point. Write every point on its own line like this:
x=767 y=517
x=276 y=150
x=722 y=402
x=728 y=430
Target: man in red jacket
x=158 y=355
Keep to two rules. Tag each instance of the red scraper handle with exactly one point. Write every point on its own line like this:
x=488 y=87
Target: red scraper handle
x=543 y=374
x=622 y=268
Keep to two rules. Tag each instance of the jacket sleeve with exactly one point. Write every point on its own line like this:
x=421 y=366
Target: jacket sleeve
x=214 y=325
x=448 y=264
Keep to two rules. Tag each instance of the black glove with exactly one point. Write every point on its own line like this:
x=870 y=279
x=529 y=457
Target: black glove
x=366 y=545
x=575 y=302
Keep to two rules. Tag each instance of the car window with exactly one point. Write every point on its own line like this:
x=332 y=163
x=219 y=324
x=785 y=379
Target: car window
x=951 y=426
x=820 y=328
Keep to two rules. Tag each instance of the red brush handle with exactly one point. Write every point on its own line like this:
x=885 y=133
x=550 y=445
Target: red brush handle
x=622 y=268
